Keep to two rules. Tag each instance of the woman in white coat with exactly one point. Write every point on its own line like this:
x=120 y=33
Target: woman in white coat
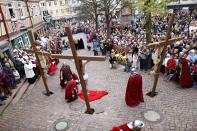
x=29 y=72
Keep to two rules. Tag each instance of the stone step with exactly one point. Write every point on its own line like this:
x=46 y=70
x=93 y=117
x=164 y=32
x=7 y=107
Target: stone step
x=20 y=93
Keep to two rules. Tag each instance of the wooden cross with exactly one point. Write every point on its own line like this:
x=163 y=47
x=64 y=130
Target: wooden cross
x=76 y=58
x=162 y=44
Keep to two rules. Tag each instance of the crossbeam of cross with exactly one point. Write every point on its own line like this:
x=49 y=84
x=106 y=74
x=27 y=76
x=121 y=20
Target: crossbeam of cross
x=164 y=45
x=161 y=43
x=76 y=58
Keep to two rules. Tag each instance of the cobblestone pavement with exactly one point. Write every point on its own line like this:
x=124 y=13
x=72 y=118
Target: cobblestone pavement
x=37 y=112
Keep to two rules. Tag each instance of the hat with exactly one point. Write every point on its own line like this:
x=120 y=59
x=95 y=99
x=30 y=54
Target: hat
x=135 y=124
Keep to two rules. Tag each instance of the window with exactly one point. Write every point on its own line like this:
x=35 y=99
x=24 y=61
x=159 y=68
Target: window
x=21 y=11
x=51 y=12
x=61 y=3
x=26 y=40
x=20 y=8
x=56 y=11
x=12 y=14
x=34 y=11
x=49 y=3
x=43 y=4
x=62 y=10
x=19 y=42
x=55 y=2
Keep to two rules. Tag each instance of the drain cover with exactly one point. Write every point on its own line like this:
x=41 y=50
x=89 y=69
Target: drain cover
x=152 y=116
x=61 y=126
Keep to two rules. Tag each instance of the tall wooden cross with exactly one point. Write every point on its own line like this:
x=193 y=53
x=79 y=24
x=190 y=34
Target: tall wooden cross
x=162 y=44
x=76 y=58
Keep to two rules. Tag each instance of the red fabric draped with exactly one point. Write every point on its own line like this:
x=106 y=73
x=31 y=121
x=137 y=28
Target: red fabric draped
x=122 y=127
x=93 y=95
x=185 y=77
x=134 y=94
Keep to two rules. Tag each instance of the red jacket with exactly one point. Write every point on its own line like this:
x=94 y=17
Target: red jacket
x=171 y=64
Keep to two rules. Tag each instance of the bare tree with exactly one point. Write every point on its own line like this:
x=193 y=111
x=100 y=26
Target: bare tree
x=90 y=9
x=108 y=6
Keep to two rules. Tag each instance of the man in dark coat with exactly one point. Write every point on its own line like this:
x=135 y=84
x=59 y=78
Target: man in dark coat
x=20 y=68
x=8 y=71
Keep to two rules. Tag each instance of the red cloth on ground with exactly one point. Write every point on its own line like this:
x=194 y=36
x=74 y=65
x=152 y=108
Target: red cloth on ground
x=93 y=95
x=134 y=94
x=185 y=77
x=122 y=127
x=71 y=91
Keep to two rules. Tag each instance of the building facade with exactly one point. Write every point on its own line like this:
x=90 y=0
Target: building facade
x=16 y=18
x=183 y=4
x=57 y=9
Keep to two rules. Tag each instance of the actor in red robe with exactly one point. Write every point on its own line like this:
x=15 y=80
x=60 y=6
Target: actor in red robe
x=185 y=79
x=134 y=94
x=171 y=66
x=135 y=125
x=66 y=75
x=52 y=67
x=71 y=90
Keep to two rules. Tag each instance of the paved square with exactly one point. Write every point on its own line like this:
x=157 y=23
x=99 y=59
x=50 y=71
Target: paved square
x=37 y=112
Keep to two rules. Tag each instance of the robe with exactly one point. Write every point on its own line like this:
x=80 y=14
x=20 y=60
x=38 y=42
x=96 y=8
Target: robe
x=64 y=76
x=134 y=94
x=185 y=79
x=71 y=91
x=52 y=68
x=10 y=74
x=121 y=128
x=170 y=66
x=4 y=83
x=135 y=63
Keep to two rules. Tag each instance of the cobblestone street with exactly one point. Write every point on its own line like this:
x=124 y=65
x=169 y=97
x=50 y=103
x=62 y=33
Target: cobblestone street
x=37 y=112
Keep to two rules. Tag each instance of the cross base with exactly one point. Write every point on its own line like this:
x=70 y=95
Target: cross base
x=91 y=111
x=47 y=93
x=152 y=94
